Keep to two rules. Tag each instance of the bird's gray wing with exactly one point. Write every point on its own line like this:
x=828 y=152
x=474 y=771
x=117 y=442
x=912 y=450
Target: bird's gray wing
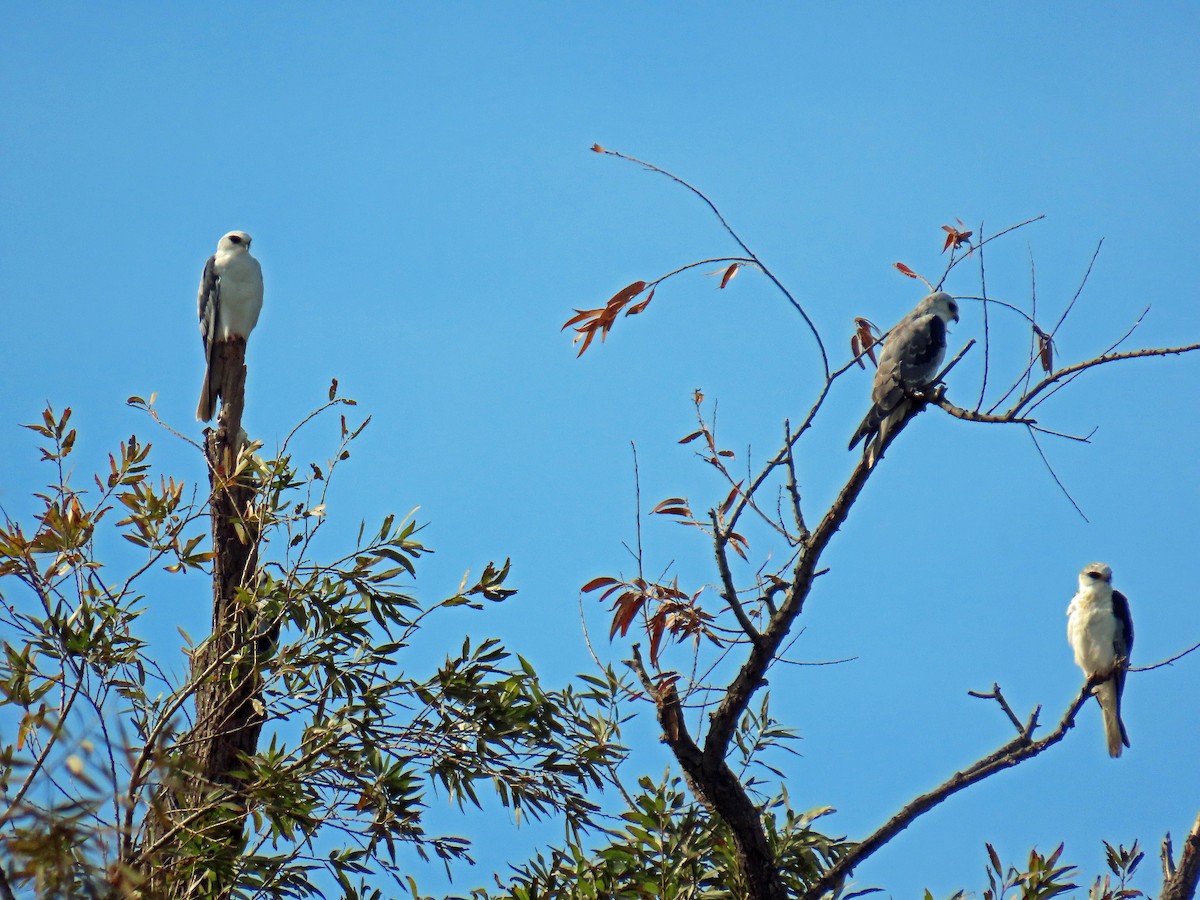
x=1123 y=637
x=208 y=302
x=1109 y=693
x=920 y=348
x=911 y=354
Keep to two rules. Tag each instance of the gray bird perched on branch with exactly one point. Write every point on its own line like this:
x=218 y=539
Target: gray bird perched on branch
x=912 y=352
x=229 y=301
x=1100 y=631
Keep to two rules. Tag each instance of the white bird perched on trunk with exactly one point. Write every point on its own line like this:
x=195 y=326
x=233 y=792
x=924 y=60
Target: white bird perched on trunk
x=230 y=299
x=1100 y=630
x=912 y=352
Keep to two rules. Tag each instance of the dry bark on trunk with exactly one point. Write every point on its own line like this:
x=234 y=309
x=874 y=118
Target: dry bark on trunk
x=206 y=809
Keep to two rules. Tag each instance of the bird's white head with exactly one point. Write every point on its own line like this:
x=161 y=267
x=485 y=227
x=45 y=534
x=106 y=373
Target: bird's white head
x=941 y=305
x=234 y=242
x=1095 y=574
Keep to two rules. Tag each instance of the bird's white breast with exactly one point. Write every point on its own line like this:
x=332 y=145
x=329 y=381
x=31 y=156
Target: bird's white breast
x=241 y=295
x=1091 y=629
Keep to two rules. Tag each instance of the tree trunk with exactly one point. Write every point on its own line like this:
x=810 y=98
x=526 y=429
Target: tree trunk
x=202 y=816
x=1179 y=883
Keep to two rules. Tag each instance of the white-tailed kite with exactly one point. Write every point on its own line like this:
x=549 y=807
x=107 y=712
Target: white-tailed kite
x=1100 y=630
x=230 y=299
x=912 y=352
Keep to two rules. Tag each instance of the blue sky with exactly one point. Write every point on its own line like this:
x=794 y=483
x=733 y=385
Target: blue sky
x=421 y=195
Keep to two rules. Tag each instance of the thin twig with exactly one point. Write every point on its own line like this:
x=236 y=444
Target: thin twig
x=793 y=487
x=996 y=694
x=750 y=253
x=743 y=260
x=1083 y=439
x=1109 y=349
x=729 y=592
x=1054 y=475
x=998 y=234
x=1166 y=662
x=1078 y=290
x=987 y=343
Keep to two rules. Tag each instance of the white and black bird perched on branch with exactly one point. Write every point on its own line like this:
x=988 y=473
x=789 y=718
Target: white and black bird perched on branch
x=912 y=352
x=1100 y=630
x=231 y=297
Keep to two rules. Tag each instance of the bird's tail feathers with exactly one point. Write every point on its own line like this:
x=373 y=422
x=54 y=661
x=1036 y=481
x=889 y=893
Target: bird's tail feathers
x=868 y=427
x=1109 y=698
x=878 y=428
x=208 y=397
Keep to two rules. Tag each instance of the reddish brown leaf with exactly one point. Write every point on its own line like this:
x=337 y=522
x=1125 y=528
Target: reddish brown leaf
x=1045 y=350
x=904 y=270
x=638 y=307
x=610 y=591
x=672 y=591
x=595 y=583
x=667 y=679
x=658 y=625
x=624 y=610
x=698 y=396
x=596 y=148
x=867 y=335
x=625 y=294
x=728 y=504
x=954 y=237
x=854 y=351
x=739 y=544
x=586 y=340
x=672 y=506
x=691 y=437
x=580 y=315
x=729 y=454
x=588 y=321
x=729 y=273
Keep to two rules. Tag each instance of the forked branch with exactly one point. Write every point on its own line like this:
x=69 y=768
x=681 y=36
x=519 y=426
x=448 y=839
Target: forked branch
x=1017 y=750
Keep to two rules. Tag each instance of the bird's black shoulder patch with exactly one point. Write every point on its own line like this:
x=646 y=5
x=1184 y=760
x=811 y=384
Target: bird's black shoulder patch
x=925 y=353
x=1122 y=614
x=937 y=333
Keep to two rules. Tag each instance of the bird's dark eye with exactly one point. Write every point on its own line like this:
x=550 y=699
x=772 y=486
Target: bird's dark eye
x=953 y=307
x=1093 y=574
x=234 y=239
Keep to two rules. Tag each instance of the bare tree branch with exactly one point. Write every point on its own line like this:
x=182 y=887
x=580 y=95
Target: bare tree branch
x=1058 y=481
x=1167 y=662
x=1016 y=751
x=728 y=590
x=1046 y=382
x=996 y=694
x=987 y=343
